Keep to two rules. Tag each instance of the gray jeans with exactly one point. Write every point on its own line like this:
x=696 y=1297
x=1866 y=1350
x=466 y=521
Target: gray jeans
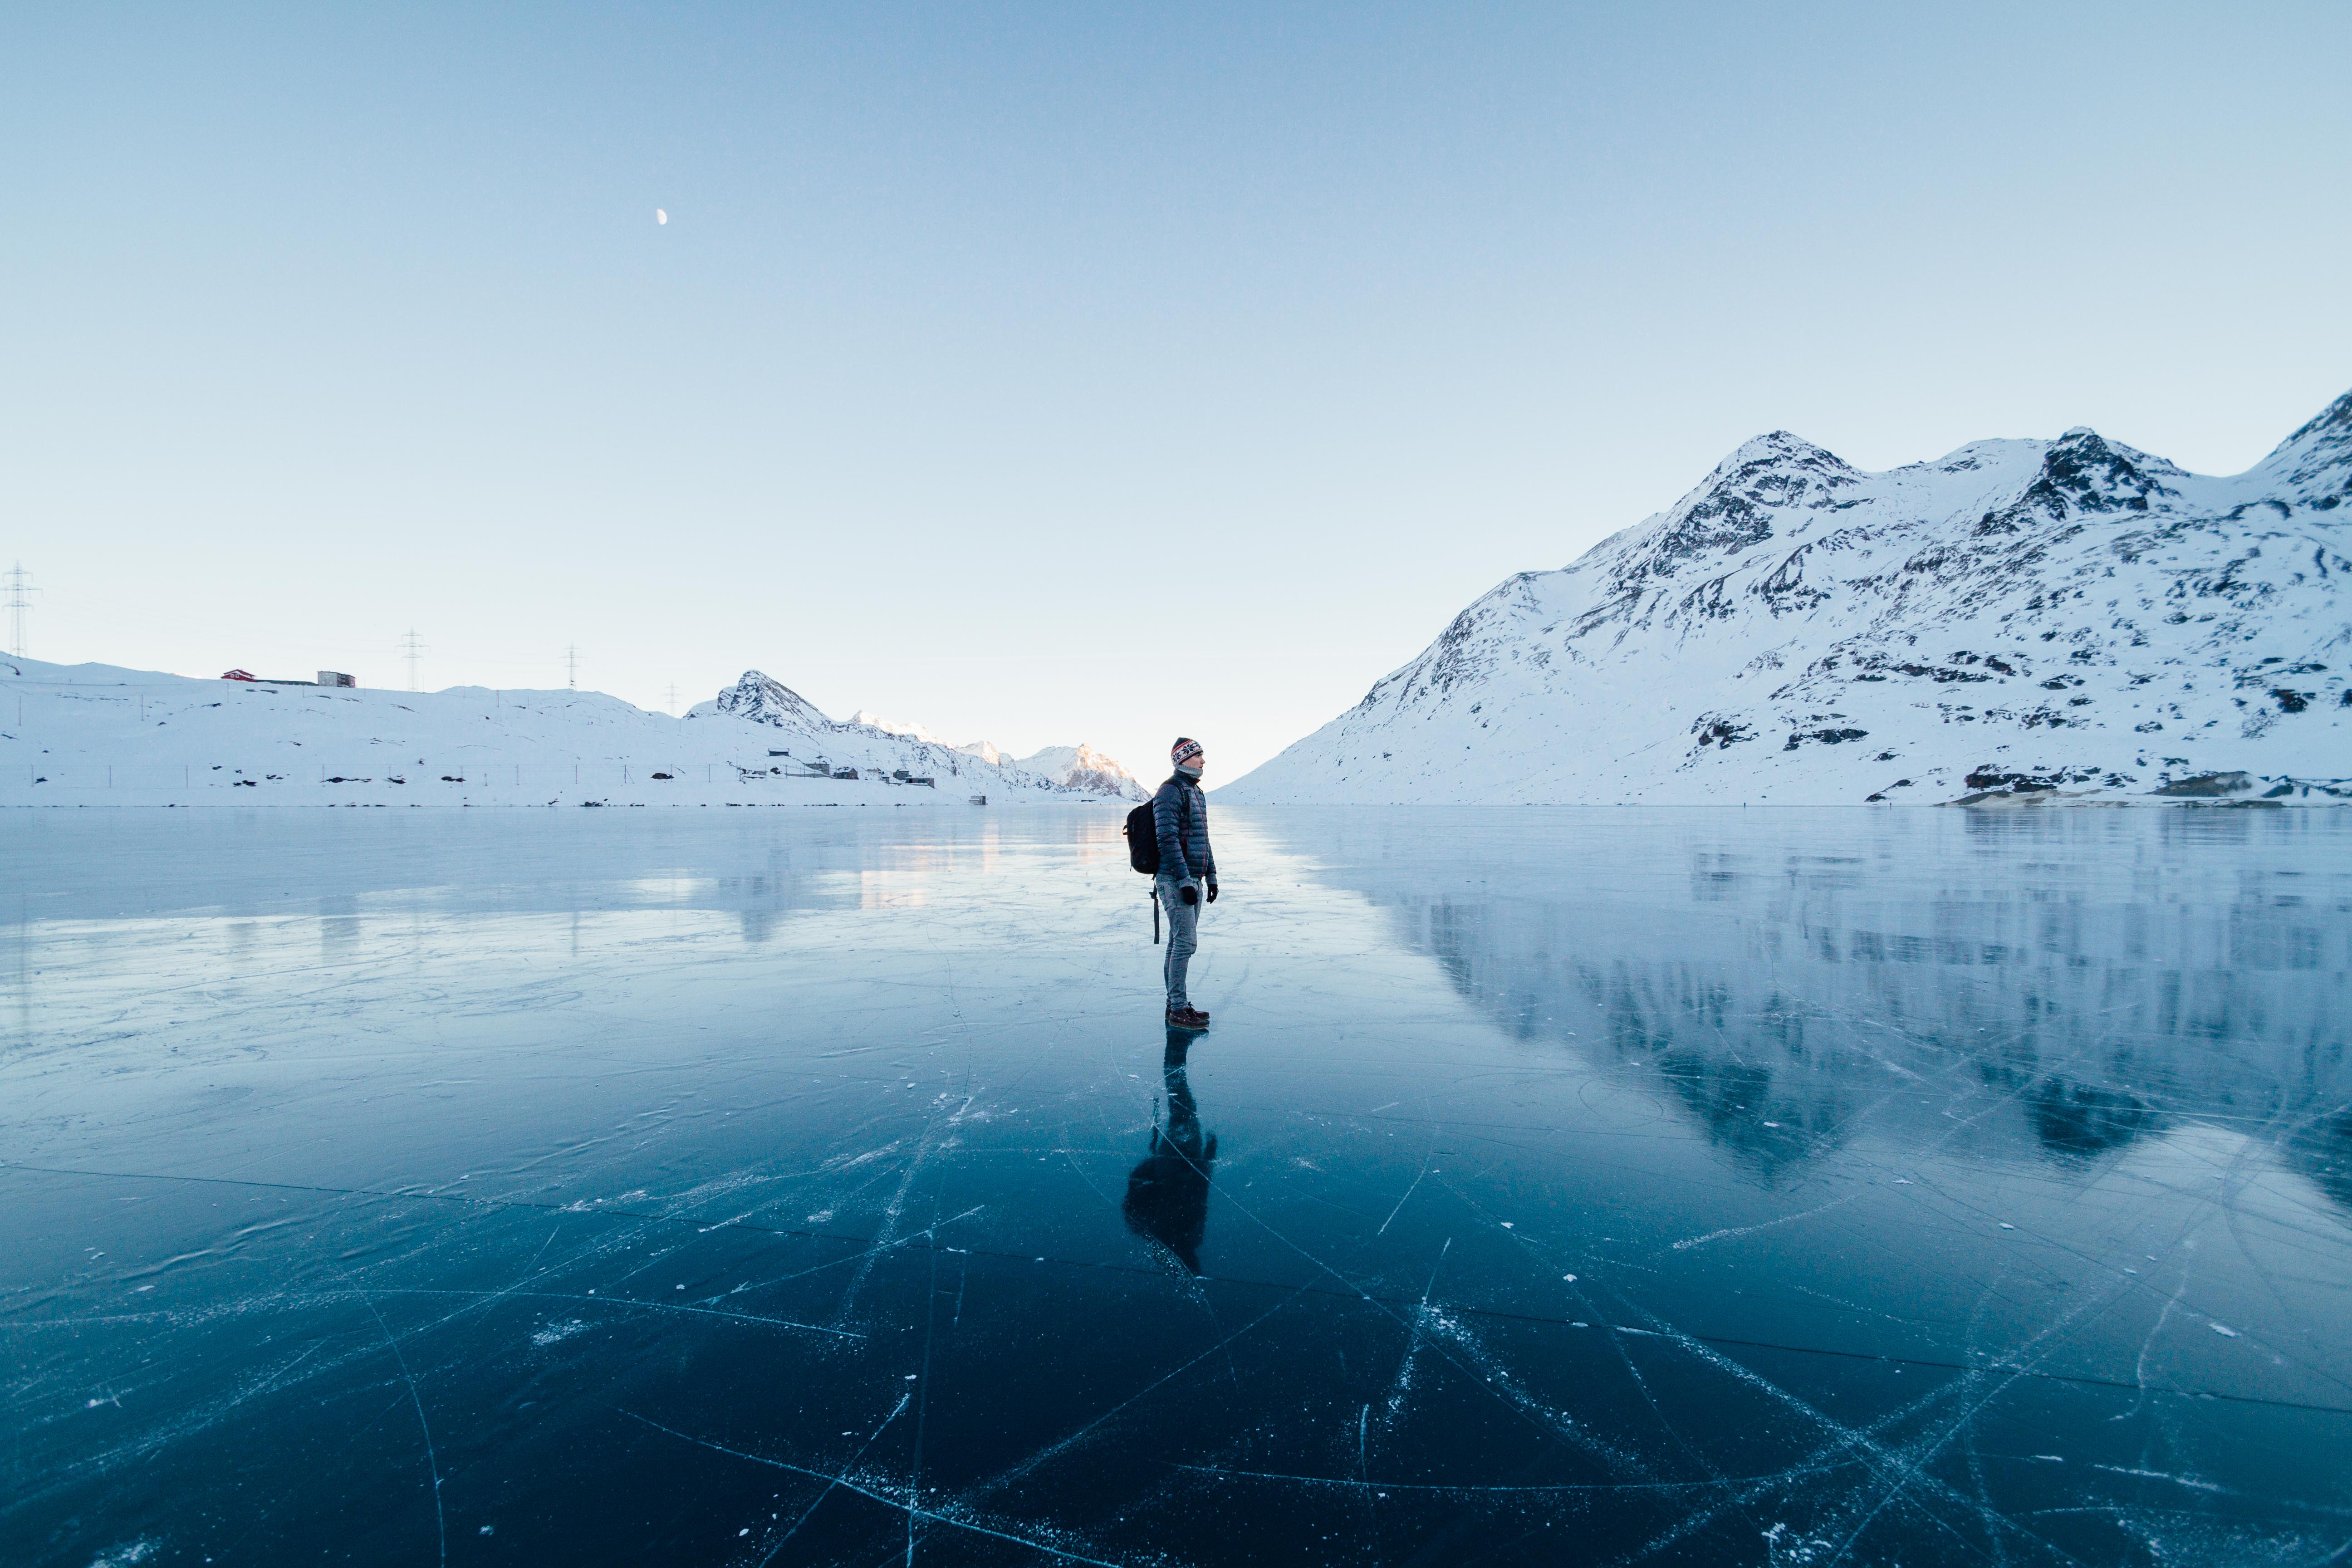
x=1183 y=933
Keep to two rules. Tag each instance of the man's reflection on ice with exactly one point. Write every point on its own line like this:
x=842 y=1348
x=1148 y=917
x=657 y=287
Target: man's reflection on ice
x=1168 y=1193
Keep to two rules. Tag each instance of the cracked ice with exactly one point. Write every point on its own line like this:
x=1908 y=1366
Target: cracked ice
x=1622 y=1187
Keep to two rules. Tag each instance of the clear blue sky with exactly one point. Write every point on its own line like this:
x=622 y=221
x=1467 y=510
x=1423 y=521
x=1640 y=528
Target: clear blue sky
x=1058 y=373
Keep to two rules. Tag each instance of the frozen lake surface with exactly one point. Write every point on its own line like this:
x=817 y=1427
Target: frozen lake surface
x=807 y=1186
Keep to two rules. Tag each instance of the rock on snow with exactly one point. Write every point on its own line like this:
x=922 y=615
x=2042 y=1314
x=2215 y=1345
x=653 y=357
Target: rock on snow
x=2017 y=618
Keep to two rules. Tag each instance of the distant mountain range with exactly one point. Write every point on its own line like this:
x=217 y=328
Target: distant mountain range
x=1082 y=767
x=2022 y=620
x=765 y=700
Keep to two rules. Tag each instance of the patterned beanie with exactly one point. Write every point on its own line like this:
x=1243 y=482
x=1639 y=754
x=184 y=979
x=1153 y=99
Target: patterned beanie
x=1183 y=751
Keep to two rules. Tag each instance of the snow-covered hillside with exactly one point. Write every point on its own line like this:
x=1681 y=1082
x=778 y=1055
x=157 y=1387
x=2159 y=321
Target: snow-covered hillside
x=2018 y=616
x=93 y=734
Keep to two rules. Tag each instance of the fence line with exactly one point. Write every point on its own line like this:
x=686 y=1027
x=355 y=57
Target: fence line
x=50 y=773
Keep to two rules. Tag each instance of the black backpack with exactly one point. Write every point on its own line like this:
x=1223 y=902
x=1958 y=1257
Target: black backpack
x=1143 y=834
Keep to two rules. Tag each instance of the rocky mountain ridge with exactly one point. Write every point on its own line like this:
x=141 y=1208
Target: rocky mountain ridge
x=2018 y=618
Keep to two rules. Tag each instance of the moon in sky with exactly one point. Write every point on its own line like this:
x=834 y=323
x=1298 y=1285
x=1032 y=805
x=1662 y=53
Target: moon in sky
x=660 y=217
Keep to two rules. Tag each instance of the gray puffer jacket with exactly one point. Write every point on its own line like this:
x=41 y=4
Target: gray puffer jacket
x=1180 y=812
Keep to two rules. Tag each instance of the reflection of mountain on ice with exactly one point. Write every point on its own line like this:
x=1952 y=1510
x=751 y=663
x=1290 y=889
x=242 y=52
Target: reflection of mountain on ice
x=144 y=738
x=2015 y=617
x=1811 y=980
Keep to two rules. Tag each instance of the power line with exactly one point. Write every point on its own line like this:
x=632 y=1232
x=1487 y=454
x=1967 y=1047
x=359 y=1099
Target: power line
x=572 y=665
x=673 y=696
x=410 y=647
x=18 y=604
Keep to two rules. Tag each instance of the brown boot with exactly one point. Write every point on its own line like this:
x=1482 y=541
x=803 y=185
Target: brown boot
x=1187 y=1018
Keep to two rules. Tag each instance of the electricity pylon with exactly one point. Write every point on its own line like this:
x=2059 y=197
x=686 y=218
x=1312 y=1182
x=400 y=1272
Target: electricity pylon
x=19 y=588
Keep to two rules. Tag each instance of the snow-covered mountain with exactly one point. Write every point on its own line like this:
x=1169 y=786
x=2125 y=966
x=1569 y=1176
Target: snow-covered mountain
x=758 y=699
x=1083 y=767
x=99 y=735
x=1079 y=767
x=2020 y=617
x=896 y=748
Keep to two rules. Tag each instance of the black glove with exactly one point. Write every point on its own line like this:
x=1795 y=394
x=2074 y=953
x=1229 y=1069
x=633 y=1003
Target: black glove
x=1188 y=894
x=1213 y=889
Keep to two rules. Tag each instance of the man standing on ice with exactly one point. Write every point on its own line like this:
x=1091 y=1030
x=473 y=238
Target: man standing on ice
x=1180 y=817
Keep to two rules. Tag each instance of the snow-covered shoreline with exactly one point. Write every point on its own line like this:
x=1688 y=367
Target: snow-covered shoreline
x=97 y=735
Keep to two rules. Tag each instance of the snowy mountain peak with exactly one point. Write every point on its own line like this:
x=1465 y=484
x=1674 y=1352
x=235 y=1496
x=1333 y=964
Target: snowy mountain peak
x=2018 y=616
x=2082 y=472
x=1736 y=507
x=1083 y=767
x=1780 y=449
x=763 y=700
